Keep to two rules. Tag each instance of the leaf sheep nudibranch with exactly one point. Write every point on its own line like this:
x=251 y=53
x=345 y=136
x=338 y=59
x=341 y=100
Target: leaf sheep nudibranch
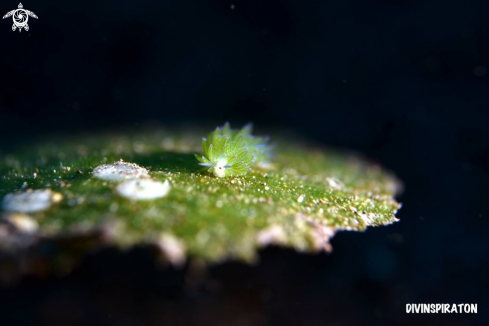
x=229 y=152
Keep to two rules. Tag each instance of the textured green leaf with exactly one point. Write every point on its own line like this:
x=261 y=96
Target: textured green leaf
x=299 y=200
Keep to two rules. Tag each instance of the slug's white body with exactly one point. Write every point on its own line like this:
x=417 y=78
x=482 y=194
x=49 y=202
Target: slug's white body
x=220 y=168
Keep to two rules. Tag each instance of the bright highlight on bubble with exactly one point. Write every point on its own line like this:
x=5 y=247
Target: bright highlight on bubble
x=143 y=189
x=119 y=171
x=30 y=201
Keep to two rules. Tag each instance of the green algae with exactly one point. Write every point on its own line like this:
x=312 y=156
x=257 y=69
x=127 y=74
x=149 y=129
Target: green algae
x=299 y=200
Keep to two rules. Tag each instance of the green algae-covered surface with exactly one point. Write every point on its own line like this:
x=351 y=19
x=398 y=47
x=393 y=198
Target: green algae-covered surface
x=298 y=200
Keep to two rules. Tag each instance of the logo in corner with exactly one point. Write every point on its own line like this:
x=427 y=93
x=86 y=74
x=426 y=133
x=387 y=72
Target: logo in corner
x=20 y=17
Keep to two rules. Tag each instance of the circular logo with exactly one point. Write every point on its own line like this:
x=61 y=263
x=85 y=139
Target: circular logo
x=20 y=17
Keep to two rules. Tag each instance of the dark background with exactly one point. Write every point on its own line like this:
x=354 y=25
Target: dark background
x=403 y=81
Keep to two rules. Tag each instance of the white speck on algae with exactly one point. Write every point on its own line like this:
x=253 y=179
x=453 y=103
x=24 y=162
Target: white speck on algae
x=172 y=248
x=21 y=222
x=119 y=171
x=30 y=201
x=265 y=165
x=143 y=189
x=274 y=234
x=335 y=183
x=322 y=236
